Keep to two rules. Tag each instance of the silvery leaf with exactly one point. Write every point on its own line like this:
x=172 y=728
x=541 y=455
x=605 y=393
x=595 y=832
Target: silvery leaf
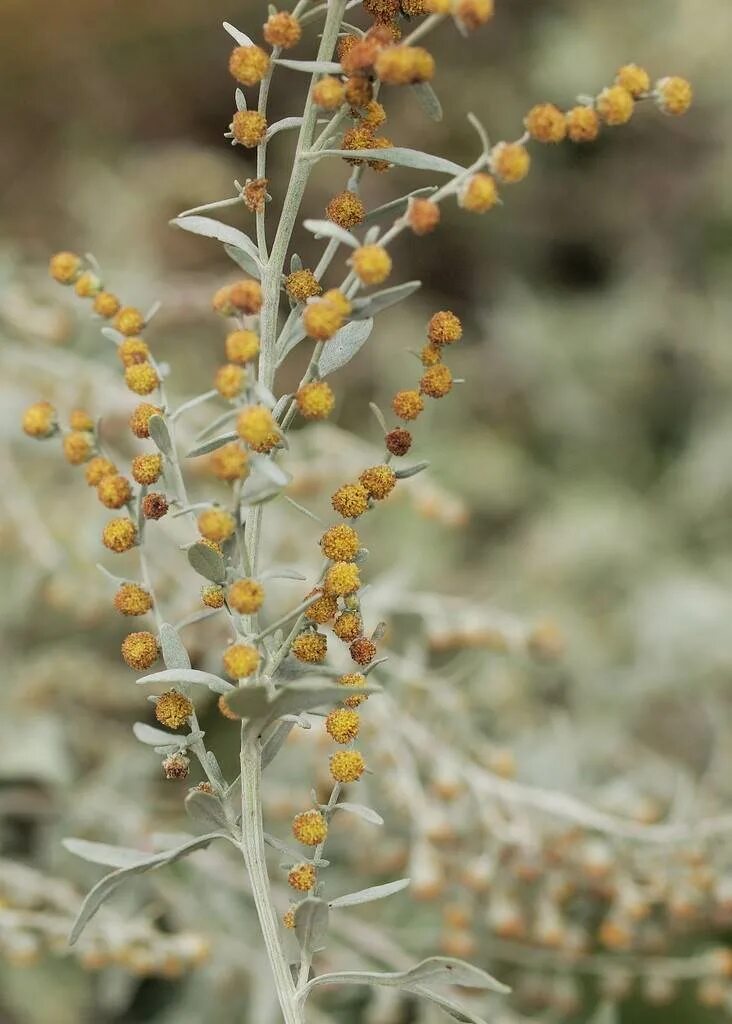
x=295 y=263
x=428 y=101
x=402 y=157
x=207 y=562
x=283 y=125
x=240 y=100
x=244 y=259
x=289 y=339
x=175 y=655
x=327 y=229
x=117 y=580
x=160 y=434
x=403 y=474
x=382 y=300
x=379 y=416
x=210 y=228
x=282 y=573
x=374 y=892
x=112 y=335
x=396 y=205
x=212 y=445
x=312 y=67
x=264 y=394
x=191 y=675
x=311 y=924
x=361 y=811
x=271 y=470
x=153 y=737
x=206 y=809
x=104 y=853
x=241 y=37
x=344 y=345
x=273 y=744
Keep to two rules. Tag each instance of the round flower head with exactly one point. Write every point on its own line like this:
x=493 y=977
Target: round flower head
x=510 y=161
x=140 y=650
x=132 y=599
x=212 y=595
x=119 y=535
x=309 y=828
x=216 y=524
x=348 y=626
x=229 y=380
x=77 y=446
x=474 y=13
x=382 y=10
x=246 y=296
x=359 y=91
x=254 y=194
x=246 y=596
x=248 y=64
x=583 y=124
x=436 y=381
x=444 y=328
x=371 y=264
x=407 y=405
x=302 y=285
x=133 y=350
x=241 y=660
x=342 y=578
x=140 y=418
x=242 y=346
x=142 y=378
x=255 y=425
x=345 y=45
x=321 y=319
x=479 y=194
x=146 y=469
x=340 y=543
x=674 y=95
x=302 y=877
x=173 y=709
x=176 y=766
x=413 y=8
x=404 y=65
x=97 y=468
x=346 y=210
x=154 y=505
x=361 y=55
x=615 y=105
x=398 y=441
x=342 y=724
x=423 y=215
x=288 y=918
x=81 y=420
x=315 y=400
x=106 y=305
x=282 y=29
x=230 y=462
x=355 y=680
x=114 y=491
x=633 y=78
x=87 y=285
x=379 y=481
x=546 y=123
x=430 y=355
x=329 y=93
x=363 y=650
x=338 y=300
x=39 y=420
x=248 y=127
x=310 y=647
x=64 y=267
x=129 y=321
x=347 y=766
x=350 y=501
x=323 y=609
x=359 y=137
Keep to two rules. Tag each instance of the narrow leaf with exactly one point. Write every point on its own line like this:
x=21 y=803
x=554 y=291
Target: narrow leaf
x=241 y=37
x=212 y=445
x=404 y=474
x=175 y=655
x=104 y=853
x=210 y=228
x=402 y=157
x=428 y=101
x=160 y=434
x=396 y=205
x=311 y=924
x=207 y=562
x=244 y=259
x=153 y=737
x=382 y=300
x=312 y=67
x=361 y=811
x=344 y=345
x=327 y=229
x=206 y=810
x=374 y=892
x=191 y=675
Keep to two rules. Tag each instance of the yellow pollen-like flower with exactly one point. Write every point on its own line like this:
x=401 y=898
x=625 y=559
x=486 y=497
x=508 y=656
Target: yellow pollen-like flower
x=347 y=766
x=140 y=418
x=338 y=300
x=633 y=78
x=146 y=469
x=242 y=346
x=382 y=10
x=77 y=446
x=342 y=724
x=106 y=305
x=423 y=215
x=282 y=29
x=114 y=491
x=64 y=267
x=154 y=505
x=479 y=194
x=371 y=263
x=546 y=123
x=363 y=650
x=255 y=425
x=351 y=500
x=129 y=321
x=379 y=481
x=444 y=328
x=249 y=128
x=248 y=64
x=212 y=595
x=81 y=420
x=241 y=660
x=246 y=596
x=404 y=65
x=230 y=462
x=398 y=441
x=583 y=124
x=288 y=919
x=474 y=13
x=329 y=93
x=132 y=599
x=97 y=468
x=373 y=114
x=342 y=578
x=311 y=647
x=229 y=380
x=436 y=381
x=321 y=319
x=246 y=296
x=87 y=285
x=133 y=350
x=302 y=285
x=142 y=378
x=615 y=105
x=40 y=420
x=315 y=400
x=302 y=877
x=173 y=709
x=176 y=766
x=359 y=92
x=354 y=680
x=674 y=95
x=323 y=609
x=407 y=405
x=348 y=626
x=216 y=524
x=430 y=355
x=309 y=828
x=359 y=137
x=119 y=535
x=510 y=162
x=140 y=650
x=340 y=543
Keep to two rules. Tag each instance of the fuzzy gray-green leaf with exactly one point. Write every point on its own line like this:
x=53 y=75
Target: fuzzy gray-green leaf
x=207 y=562
x=428 y=100
x=379 y=301
x=344 y=345
x=311 y=924
x=374 y=892
x=413 y=158
x=161 y=435
x=193 y=676
x=174 y=653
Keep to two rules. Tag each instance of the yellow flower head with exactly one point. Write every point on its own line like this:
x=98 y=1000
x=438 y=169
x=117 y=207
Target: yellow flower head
x=479 y=194
x=436 y=381
x=583 y=124
x=359 y=91
x=315 y=400
x=347 y=766
x=342 y=578
x=363 y=650
x=474 y=13
x=254 y=194
x=146 y=469
x=302 y=877
x=173 y=709
x=216 y=524
x=132 y=599
x=379 y=481
x=77 y=446
x=371 y=264
x=356 y=680
x=348 y=626
x=142 y=378
x=546 y=123
x=444 y=328
x=329 y=93
x=302 y=285
x=140 y=650
x=342 y=724
x=212 y=595
x=407 y=405
x=282 y=29
x=229 y=380
x=241 y=660
x=64 y=267
x=97 y=468
x=413 y=8
x=615 y=105
x=114 y=491
x=248 y=64
x=249 y=128
x=633 y=78
x=242 y=346
x=404 y=65
x=246 y=596
x=340 y=543
x=674 y=95
x=350 y=501
x=323 y=609
x=246 y=296
x=129 y=321
x=510 y=161
x=398 y=441
x=87 y=285
x=176 y=766
x=230 y=462
x=154 y=505
x=373 y=113
x=382 y=11
x=40 y=420
x=106 y=305
x=309 y=828
x=310 y=647
x=119 y=535
x=423 y=215
x=359 y=137
x=321 y=319
x=430 y=355
x=338 y=300
x=256 y=425
x=133 y=350
x=81 y=420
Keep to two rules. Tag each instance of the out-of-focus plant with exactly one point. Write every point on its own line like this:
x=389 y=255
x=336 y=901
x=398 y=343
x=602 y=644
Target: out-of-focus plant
x=282 y=680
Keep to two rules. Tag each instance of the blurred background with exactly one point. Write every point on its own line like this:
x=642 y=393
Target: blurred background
x=558 y=588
